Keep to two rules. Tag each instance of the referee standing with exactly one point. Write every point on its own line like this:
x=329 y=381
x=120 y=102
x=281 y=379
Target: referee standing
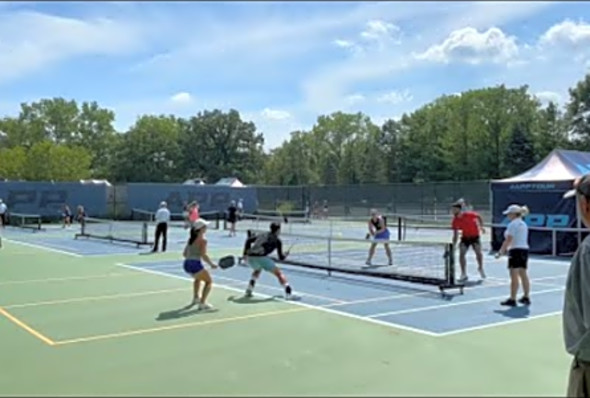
x=162 y=220
x=3 y=212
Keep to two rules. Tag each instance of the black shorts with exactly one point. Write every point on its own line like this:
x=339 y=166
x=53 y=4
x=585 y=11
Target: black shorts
x=3 y=218
x=518 y=258
x=470 y=241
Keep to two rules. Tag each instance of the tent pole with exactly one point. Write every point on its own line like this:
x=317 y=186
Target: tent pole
x=579 y=222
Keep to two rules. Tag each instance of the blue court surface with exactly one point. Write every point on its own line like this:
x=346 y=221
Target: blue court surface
x=414 y=307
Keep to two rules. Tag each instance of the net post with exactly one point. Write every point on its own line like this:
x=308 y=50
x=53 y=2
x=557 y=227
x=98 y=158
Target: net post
x=399 y=229
x=329 y=254
x=39 y=223
x=450 y=265
x=554 y=242
x=144 y=233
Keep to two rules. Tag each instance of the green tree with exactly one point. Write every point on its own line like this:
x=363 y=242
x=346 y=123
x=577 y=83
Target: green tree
x=578 y=113
x=520 y=155
x=149 y=151
x=12 y=164
x=217 y=144
x=47 y=161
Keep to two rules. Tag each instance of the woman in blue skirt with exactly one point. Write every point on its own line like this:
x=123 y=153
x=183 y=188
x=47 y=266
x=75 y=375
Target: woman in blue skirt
x=378 y=231
x=195 y=253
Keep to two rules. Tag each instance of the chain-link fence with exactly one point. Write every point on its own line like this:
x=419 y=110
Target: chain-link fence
x=426 y=199
x=430 y=200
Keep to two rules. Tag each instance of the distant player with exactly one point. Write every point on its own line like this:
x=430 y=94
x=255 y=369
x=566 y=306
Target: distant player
x=80 y=214
x=256 y=251
x=240 y=209
x=470 y=224
x=378 y=231
x=232 y=218
x=193 y=212
x=3 y=214
x=67 y=216
x=185 y=215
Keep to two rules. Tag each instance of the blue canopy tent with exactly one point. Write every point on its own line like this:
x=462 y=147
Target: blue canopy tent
x=541 y=188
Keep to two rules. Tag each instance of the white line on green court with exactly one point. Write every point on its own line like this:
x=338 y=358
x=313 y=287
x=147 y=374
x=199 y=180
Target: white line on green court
x=95 y=298
x=297 y=303
x=500 y=323
x=437 y=307
x=46 y=248
x=71 y=278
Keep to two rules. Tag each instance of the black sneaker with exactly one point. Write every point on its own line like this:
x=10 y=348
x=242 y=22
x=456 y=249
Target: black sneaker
x=525 y=300
x=509 y=303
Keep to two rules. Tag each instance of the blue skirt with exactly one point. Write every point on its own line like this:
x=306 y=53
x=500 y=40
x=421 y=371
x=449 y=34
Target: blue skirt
x=382 y=235
x=192 y=266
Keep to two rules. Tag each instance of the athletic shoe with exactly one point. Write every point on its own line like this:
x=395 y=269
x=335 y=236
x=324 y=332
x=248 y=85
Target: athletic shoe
x=248 y=293
x=482 y=273
x=205 y=306
x=368 y=263
x=509 y=303
x=463 y=278
x=525 y=300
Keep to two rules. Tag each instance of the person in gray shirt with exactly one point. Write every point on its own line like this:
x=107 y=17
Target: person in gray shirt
x=576 y=309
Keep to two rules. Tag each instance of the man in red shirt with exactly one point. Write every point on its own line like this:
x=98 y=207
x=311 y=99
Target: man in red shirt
x=470 y=224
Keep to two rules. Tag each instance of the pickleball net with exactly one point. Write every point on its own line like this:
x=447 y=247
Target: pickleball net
x=25 y=221
x=430 y=263
x=115 y=231
x=177 y=220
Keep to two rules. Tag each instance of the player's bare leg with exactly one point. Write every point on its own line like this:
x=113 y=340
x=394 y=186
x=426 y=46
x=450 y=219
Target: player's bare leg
x=463 y=262
x=252 y=283
x=371 y=253
x=479 y=258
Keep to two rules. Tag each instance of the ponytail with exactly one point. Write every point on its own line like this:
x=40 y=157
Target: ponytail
x=524 y=211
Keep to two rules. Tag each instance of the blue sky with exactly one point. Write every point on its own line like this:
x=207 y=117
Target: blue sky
x=282 y=64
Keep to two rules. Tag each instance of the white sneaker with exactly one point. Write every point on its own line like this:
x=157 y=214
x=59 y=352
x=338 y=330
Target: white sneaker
x=482 y=273
x=205 y=306
x=463 y=278
x=368 y=263
x=248 y=293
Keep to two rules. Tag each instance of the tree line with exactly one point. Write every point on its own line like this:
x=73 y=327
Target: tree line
x=479 y=134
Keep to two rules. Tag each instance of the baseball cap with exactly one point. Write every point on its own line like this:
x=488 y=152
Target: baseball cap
x=512 y=209
x=581 y=186
x=200 y=223
x=163 y=204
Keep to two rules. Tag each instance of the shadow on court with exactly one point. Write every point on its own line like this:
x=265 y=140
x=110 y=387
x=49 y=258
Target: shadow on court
x=183 y=312
x=250 y=300
x=519 y=312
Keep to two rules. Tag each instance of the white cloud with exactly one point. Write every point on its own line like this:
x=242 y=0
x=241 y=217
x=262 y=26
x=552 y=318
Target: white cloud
x=274 y=114
x=343 y=43
x=549 y=96
x=379 y=30
x=30 y=41
x=395 y=97
x=470 y=46
x=567 y=33
x=182 y=98
x=355 y=99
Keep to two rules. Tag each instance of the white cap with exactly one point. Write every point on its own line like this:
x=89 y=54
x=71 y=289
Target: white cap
x=200 y=223
x=512 y=209
x=163 y=204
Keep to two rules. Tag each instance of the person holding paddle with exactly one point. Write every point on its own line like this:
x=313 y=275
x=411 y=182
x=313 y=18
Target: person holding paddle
x=256 y=251
x=195 y=252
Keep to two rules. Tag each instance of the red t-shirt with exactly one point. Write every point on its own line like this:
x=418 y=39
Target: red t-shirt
x=467 y=224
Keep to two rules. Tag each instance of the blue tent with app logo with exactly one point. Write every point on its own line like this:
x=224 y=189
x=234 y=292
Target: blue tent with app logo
x=541 y=189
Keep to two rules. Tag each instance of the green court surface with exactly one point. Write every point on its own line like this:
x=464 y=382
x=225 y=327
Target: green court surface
x=76 y=325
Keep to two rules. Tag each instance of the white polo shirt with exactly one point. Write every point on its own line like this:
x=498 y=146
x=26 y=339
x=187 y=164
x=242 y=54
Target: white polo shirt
x=520 y=234
x=3 y=208
x=162 y=215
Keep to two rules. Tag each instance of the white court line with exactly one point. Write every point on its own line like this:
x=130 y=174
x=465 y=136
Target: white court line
x=328 y=310
x=497 y=324
x=47 y=248
x=436 y=307
x=241 y=282
x=536 y=281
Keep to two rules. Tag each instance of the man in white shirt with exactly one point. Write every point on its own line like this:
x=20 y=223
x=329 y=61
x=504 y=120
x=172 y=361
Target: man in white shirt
x=3 y=211
x=576 y=309
x=162 y=220
x=240 y=209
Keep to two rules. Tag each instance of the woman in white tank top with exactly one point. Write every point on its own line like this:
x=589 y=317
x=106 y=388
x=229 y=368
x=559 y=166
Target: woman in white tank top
x=516 y=244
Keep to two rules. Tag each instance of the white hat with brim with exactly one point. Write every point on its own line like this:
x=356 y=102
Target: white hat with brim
x=512 y=209
x=581 y=185
x=200 y=223
x=569 y=194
